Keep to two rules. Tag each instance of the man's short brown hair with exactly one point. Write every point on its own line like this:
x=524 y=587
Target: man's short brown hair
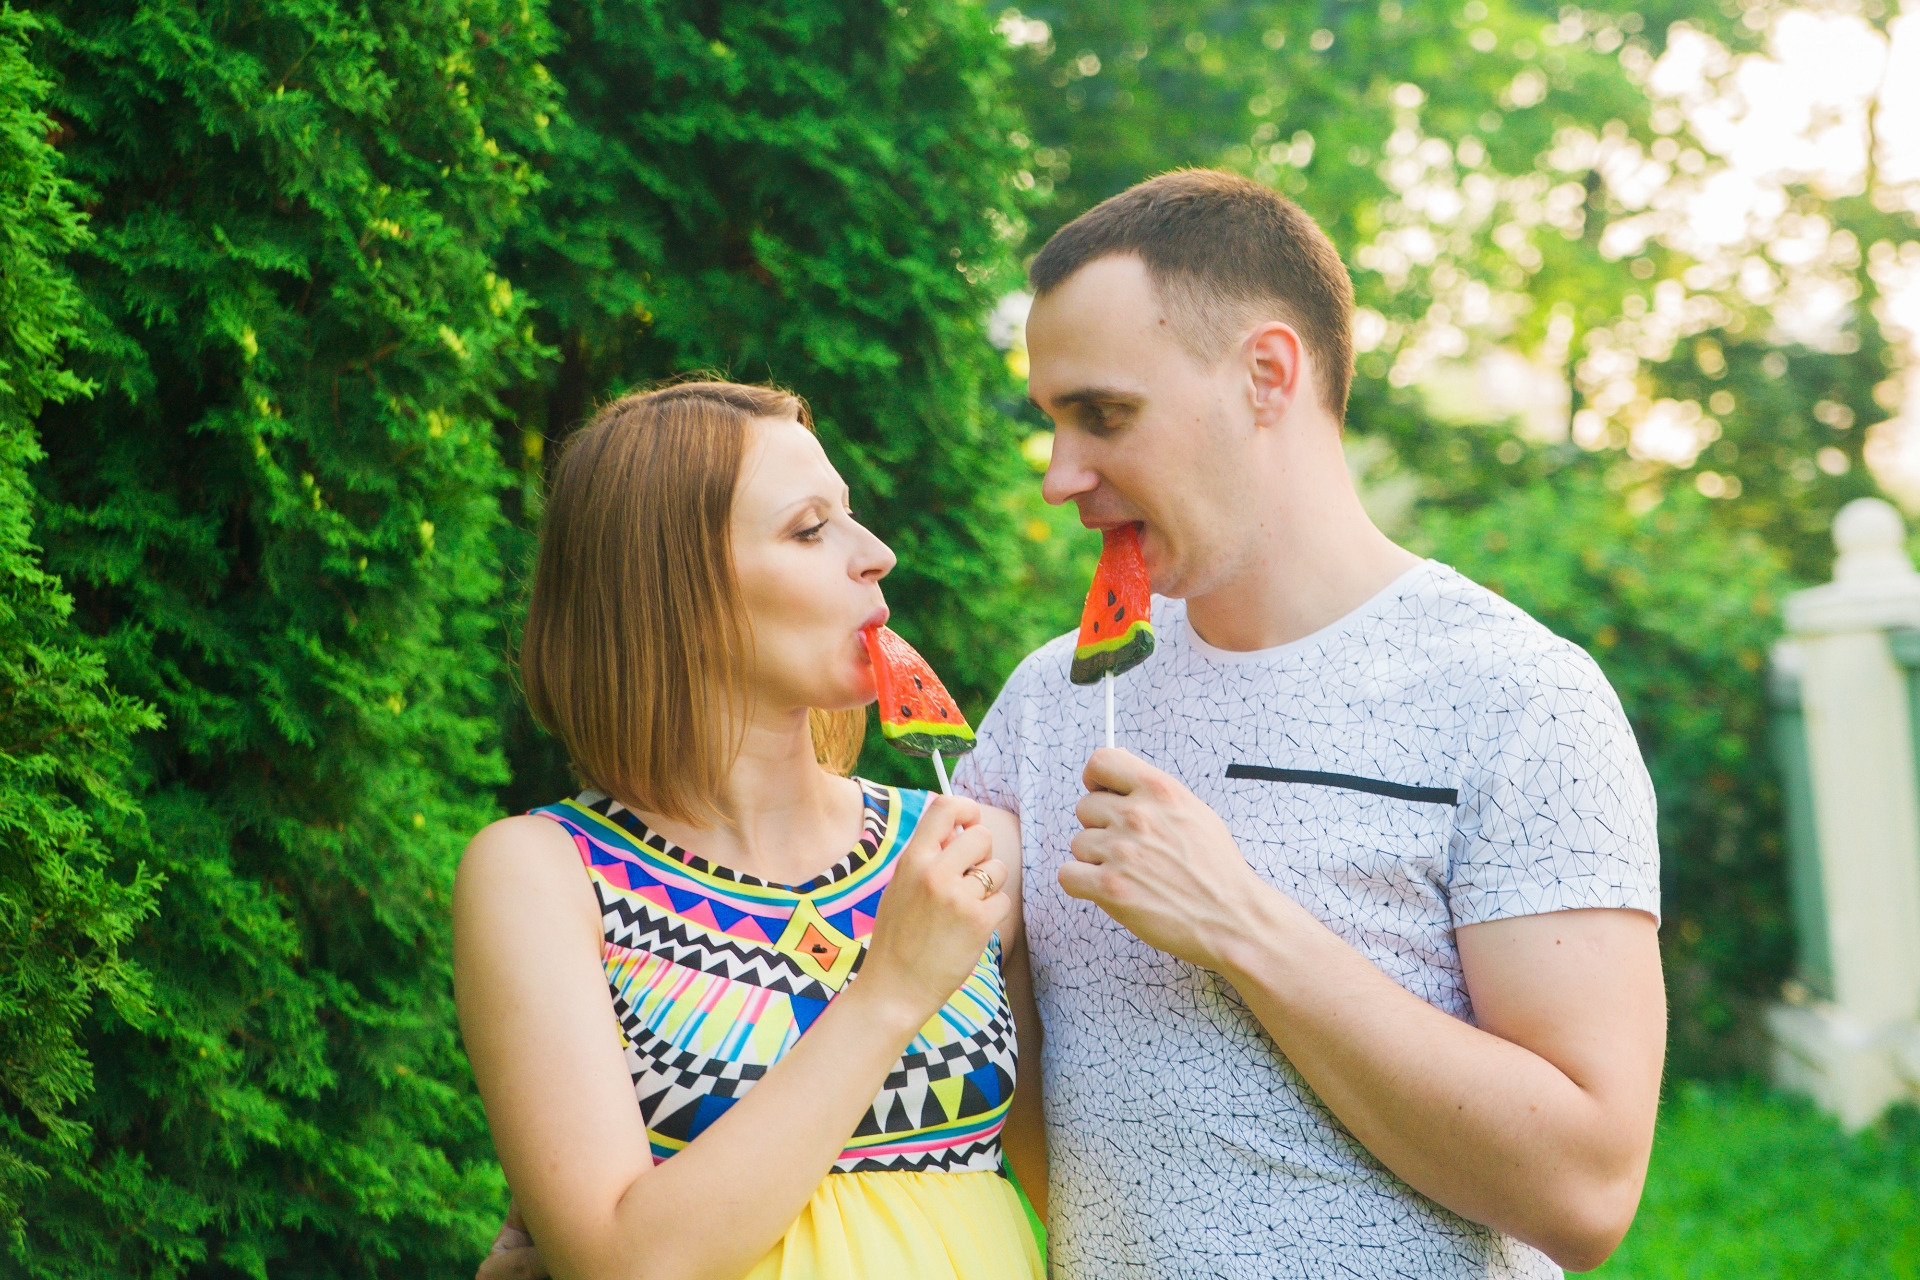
x=1224 y=253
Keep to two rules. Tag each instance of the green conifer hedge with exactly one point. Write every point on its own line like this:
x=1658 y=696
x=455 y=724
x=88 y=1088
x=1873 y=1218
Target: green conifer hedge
x=279 y=517
x=63 y=731
x=819 y=193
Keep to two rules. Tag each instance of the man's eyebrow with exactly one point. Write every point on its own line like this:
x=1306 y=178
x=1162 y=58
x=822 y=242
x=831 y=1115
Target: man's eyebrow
x=1090 y=395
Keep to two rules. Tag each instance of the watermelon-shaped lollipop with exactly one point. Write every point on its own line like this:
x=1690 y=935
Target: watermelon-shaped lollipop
x=917 y=714
x=1116 y=627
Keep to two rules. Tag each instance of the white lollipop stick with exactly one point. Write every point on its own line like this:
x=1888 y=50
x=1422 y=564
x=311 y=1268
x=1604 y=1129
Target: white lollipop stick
x=1107 y=680
x=940 y=768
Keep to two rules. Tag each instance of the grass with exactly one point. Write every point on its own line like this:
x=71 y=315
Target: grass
x=1752 y=1185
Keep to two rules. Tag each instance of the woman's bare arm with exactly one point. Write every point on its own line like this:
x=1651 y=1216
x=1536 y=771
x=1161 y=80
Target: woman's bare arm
x=546 y=1054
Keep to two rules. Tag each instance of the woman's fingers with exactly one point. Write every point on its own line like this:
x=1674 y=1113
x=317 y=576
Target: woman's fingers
x=512 y=1264
x=992 y=875
x=948 y=813
x=943 y=818
x=945 y=898
x=963 y=849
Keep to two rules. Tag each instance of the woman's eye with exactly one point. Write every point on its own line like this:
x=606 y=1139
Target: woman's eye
x=811 y=534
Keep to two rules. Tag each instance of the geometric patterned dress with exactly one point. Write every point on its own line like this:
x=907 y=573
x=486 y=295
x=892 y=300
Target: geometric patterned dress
x=715 y=974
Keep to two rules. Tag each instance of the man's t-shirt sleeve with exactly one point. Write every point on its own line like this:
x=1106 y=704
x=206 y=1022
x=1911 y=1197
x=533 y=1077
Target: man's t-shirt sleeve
x=988 y=773
x=1556 y=811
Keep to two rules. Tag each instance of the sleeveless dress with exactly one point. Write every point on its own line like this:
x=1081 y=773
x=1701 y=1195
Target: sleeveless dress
x=716 y=974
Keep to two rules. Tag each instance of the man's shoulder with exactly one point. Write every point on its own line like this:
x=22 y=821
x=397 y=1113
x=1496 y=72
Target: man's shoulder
x=1523 y=685
x=1489 y=641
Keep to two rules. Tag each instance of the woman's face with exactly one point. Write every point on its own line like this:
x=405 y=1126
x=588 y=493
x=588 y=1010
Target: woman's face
x=809 y=574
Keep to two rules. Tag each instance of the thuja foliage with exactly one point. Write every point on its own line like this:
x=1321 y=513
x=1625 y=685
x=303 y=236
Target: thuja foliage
x=278 y=515
x=819 y=193
x=1469 y=155
x=63 y=730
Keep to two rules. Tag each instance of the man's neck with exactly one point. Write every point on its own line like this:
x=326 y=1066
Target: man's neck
x=1313 y=559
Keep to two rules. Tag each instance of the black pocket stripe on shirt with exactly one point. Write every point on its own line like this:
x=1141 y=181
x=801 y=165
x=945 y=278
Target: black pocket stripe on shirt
x=1347 y=781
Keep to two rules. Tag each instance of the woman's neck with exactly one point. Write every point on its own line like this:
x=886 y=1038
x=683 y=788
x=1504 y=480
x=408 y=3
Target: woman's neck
x=784 y=818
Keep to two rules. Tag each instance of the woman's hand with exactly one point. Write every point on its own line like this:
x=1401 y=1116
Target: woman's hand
x=947 y=896
x=513 y=1256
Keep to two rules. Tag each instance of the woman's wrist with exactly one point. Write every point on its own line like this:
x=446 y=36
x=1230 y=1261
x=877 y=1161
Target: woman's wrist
x=885 y=1008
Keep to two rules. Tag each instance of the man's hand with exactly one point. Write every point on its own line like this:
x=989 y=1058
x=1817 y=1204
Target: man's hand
x=1159 y=861
x=513 y=1256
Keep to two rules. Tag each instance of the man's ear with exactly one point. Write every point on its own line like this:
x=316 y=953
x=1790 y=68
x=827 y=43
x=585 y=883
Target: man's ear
x=1277 y=370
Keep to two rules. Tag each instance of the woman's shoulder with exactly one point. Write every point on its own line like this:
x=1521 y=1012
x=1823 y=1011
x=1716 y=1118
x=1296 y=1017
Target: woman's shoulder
x=878 y=792
x=894 y=807
x=516 y=854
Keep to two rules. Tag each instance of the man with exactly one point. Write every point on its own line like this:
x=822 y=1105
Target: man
x=1346 y=958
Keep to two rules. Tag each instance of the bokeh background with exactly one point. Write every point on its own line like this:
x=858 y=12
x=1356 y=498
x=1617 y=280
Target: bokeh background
x=298 y=297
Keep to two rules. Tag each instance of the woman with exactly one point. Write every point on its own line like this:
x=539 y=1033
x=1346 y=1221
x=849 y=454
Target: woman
x=635 y=967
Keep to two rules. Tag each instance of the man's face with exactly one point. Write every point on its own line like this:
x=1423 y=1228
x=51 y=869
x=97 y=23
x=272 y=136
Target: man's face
x=1144 y=433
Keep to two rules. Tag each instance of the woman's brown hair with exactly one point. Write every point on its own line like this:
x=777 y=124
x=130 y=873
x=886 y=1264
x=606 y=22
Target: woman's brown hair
x=636 y=647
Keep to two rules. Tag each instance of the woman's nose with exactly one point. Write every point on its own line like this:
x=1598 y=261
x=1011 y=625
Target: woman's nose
x=875 y=559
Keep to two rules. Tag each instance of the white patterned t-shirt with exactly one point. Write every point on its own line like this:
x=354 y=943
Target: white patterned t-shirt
x=1435 y=759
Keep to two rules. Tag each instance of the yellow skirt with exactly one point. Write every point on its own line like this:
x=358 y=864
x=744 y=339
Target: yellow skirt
x=907 y=1226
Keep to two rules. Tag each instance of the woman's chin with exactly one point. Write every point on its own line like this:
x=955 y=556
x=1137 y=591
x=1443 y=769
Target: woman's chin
x=848 y=702
x=848 y=695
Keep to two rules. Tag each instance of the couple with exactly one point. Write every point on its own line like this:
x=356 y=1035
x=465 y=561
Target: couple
x=1346 y=963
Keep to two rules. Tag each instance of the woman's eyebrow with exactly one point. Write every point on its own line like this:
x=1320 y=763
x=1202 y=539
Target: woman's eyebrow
x=801 y=506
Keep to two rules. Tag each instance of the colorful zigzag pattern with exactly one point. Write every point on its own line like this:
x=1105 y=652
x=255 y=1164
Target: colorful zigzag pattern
x=716 y=974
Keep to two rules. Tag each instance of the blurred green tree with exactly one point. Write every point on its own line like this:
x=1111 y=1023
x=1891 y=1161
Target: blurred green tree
x=819 y=193
x=1510 y=182
x=278 y=515
x=63 y=729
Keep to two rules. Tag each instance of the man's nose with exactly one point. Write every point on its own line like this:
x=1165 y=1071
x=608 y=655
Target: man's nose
x=1066 y=478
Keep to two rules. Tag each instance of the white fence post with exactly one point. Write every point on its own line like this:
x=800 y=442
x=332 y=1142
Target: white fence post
x=1852 y=1040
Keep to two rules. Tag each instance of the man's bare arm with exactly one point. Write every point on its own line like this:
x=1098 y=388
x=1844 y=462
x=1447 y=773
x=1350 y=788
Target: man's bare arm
x=1537 y=1122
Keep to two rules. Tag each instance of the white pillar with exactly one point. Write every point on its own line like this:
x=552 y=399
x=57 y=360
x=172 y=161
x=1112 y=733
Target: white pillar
x=1856 y=1053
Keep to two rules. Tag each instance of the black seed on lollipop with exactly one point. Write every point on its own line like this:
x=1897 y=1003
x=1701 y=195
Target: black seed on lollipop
x=1111 y=598
x=906 y=711
x=1119 y=613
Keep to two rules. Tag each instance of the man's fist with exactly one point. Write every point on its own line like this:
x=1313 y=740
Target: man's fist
x=1162 y=863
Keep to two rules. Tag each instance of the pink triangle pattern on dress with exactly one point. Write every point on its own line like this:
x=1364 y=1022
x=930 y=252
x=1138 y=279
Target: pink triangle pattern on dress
x=701 y=913
x=750 y=929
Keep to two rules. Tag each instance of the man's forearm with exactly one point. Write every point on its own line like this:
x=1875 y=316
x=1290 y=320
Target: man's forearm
x=1487 y=1128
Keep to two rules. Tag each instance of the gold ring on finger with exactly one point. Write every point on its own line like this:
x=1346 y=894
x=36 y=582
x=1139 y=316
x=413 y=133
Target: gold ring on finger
x=985 y=878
